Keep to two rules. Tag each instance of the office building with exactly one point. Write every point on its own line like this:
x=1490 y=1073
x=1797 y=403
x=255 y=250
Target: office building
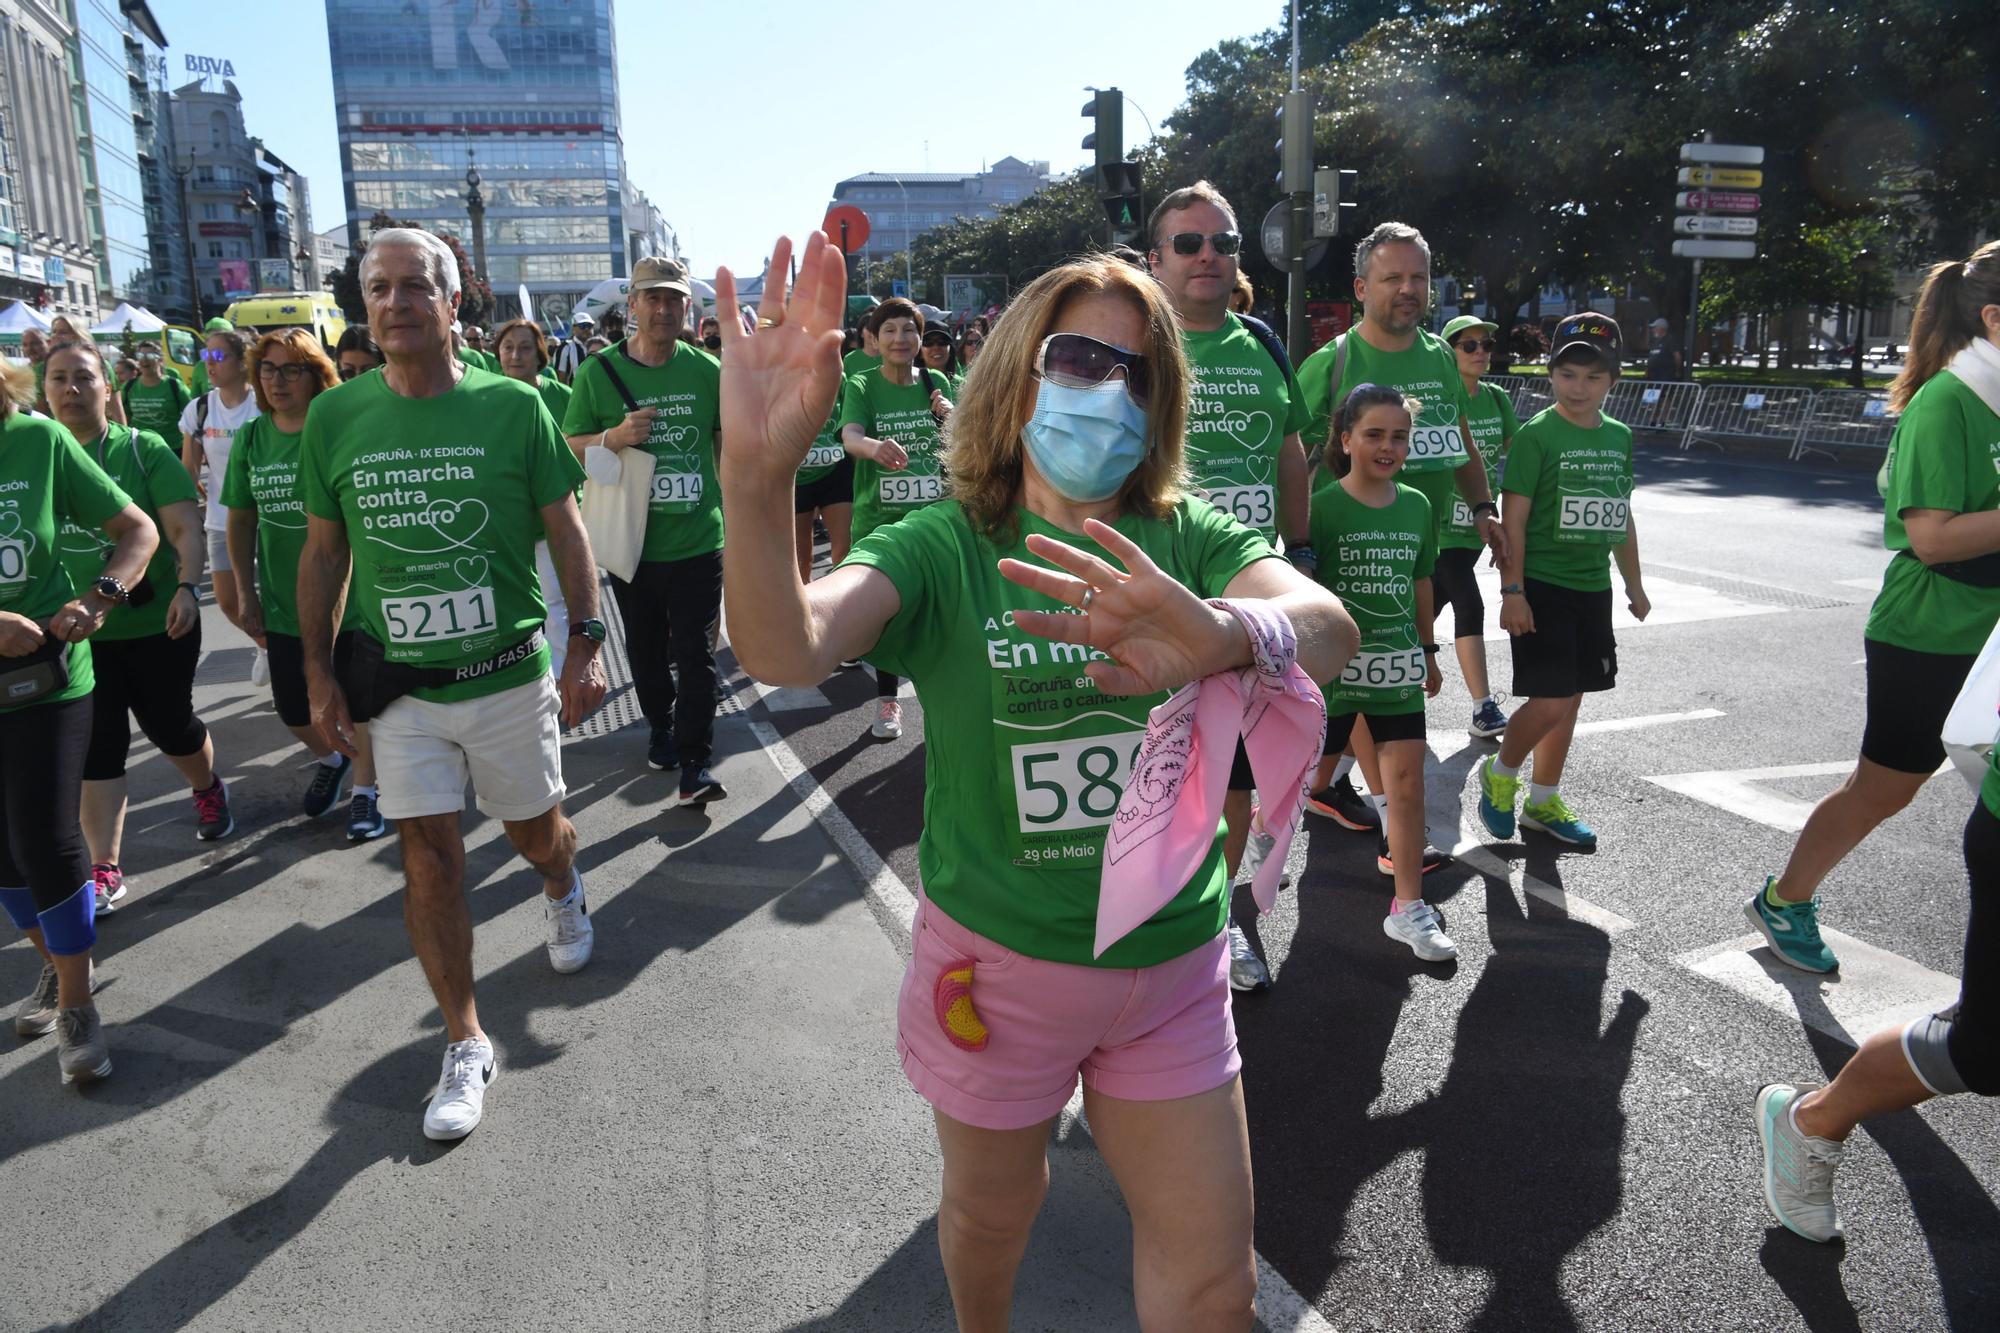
x=526 y=93
x=112 y=45
x=902 y=206
x=47 y=253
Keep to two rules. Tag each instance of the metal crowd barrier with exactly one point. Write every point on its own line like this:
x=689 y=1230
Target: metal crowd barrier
x=1846 y=419
x=1748 y=412
x=1662 y=405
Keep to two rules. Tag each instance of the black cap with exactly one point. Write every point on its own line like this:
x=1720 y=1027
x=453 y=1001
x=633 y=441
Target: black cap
x=1594 y=333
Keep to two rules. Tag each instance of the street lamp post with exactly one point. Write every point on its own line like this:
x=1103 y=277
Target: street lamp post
x=1865 y=266
x=187 y=232
x=475 y=208
x=909 y=278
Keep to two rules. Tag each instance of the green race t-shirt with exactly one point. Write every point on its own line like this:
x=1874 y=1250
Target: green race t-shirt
x=1425 y=370
x=479 y=360
x=1371 y=559
x=857 y=362
x=1581 y=484
x=156 y=407
x=1945 y=454
x=1024 y=758
x=441 y=498
x=264 y=478
x=1494 y=426
x=826 y=451
x=142 y=465
x=685 y=518
x=47 y=480
x=1241 y=407
x=899 y=412
x=555 y=396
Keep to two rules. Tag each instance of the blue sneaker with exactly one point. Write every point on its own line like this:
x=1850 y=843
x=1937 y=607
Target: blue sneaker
x=1487 y=721
x=1555 y=818
x=1496 y=799
x=1792 y=931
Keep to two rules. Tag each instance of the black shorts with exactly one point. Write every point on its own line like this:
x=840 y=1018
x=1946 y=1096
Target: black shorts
x=1909 y=694
x=835 y=488
x=1455 y=582
x=1382 y=727
x=150 y=678
x=288 y=673
x=1572 y=650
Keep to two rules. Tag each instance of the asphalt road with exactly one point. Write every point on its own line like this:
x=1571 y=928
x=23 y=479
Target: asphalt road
x=706 y=1129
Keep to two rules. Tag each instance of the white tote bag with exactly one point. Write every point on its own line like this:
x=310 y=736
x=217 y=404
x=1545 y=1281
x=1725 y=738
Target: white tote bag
x=1973 y=724
x=617 y=493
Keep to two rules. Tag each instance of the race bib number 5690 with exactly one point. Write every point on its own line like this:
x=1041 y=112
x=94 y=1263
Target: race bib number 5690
x=1430 y=444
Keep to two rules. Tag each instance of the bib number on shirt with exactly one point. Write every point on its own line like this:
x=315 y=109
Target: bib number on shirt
x=677 y=488
x=1436 y=444
x=910 y=488
x=1072 y=784
x=1592 y=518
x=822 y=455
x=435 y=618
x=1391 y=670
x=13 y=561
x=1252 y=506
x=1461 y=514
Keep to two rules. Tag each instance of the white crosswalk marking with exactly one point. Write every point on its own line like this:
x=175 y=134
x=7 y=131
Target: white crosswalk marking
x=1734 y=790
x=1874 y=988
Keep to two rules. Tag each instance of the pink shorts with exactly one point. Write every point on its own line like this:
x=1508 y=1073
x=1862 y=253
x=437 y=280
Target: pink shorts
x=1147 y=1034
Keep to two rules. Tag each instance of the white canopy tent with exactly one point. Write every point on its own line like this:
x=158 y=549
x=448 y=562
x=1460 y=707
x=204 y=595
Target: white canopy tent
x=128 y=316
x=21 y=316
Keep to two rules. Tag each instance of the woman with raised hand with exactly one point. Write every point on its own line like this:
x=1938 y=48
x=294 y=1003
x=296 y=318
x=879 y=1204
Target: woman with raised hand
x=1036 y=684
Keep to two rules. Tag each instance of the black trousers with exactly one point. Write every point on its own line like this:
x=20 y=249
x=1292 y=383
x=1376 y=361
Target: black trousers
x=41 y=783
x=1975 y=1034
x=671 y=610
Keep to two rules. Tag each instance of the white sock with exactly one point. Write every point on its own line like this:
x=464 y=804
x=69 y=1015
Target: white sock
x=1381 y=804
x=575 y=888
x=358 y=790
x=332 y=759
x=1501 y=769
x=1538 y=794
x=1484 y=700
x=1344 y=767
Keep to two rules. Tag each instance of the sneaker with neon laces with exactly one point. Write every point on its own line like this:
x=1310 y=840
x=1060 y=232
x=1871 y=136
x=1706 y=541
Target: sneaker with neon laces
x=1487 y=721
x=888 y=723
x=324 y=789
x=1246 y=970
x=460 y=1100
x=1798 y=1168
x=1421 y=926
x=1433 y=858
x=1345 y=806
x=567 y=930
x=364 y=818
x=107 y=883
x=1555 y=818
x=1791 y=929
x=212 y=820
x=1497 y=794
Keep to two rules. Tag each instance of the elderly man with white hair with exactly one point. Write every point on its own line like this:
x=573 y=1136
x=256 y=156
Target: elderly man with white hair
x=429 y=485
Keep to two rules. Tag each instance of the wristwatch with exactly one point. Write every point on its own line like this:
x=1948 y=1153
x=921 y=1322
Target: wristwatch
x=1511 y=590
x=1486 y=509
x=587 y=629
x=111 y=590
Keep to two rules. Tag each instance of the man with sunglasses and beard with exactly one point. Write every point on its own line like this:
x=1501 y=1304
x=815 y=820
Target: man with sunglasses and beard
x=1243 y=448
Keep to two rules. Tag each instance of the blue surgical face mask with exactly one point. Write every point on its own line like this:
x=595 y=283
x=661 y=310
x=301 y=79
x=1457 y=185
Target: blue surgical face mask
x=1086 y=442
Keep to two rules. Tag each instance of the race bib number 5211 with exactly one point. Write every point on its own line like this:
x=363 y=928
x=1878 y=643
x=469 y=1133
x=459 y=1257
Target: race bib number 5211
x=441 y=616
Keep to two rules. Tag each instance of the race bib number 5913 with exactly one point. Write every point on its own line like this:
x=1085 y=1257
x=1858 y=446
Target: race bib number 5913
x=910 y=488
x=432 y=619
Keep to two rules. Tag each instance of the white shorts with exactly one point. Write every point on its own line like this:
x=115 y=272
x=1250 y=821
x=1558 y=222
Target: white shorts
x=218 y=552
x=509 y=743
x=556 y=628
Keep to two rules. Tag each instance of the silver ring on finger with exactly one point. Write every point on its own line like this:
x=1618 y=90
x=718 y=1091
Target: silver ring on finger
x=1089 y=596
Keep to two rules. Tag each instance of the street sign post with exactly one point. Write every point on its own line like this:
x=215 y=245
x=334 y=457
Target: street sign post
x=1723 y=154
x=1727 y=177
x=1716 y=201
x=1715 y=250
x=1728 y=171
x=1708 y=226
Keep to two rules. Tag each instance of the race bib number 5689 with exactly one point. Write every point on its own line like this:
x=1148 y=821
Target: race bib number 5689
x=1592 y=518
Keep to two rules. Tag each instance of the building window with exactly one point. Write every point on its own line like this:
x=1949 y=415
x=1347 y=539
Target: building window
x=215 y=249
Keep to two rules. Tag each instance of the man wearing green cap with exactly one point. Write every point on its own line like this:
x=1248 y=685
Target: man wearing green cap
x=201 y=385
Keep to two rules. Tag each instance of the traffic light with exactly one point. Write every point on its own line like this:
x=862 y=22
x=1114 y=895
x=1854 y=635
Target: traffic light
x=1117 y=179
x=1332 y=191
x=1106 y=109
x=1118 y=187
x=1295 y=145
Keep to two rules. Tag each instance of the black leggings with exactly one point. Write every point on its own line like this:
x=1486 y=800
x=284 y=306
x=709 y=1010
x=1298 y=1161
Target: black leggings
x=41 y=782
x=1453 y=581
x=152 y=679
x=886 y=684
x=1975 y=1028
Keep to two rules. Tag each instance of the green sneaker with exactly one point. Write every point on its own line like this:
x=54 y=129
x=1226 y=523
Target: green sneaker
x=1555 y=818
x=1496 y=799
x=1798 y=1168
x=1792 y=931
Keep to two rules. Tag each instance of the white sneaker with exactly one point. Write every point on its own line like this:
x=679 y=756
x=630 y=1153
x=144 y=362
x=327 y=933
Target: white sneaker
x=1246 y=970
x=260 y=668
x=567 y=930
x=1422 y=928
x=888 y=721
x=469 y=1069
x=1257 y=850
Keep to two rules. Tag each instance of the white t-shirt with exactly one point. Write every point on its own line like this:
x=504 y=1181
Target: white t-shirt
x=217 y=436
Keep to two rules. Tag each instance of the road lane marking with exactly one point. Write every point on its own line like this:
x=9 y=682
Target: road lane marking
x=1594 y=728
x=1873 y=990
x=1733 y=790
x=1279 y=1306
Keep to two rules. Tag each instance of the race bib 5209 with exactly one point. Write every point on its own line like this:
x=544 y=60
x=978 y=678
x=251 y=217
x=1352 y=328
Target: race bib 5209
x=822 y=455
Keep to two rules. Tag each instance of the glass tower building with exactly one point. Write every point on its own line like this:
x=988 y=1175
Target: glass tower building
x=526 y=91
x=112 y=47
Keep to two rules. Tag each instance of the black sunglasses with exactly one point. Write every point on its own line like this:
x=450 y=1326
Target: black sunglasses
x=1078 y=361
x=1189 y=242
x=1478 y=344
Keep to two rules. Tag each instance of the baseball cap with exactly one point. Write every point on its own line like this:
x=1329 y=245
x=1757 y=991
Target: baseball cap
x=586 y=320
x=217 y=325
x=1464 y=322
x=1660 y=322
x=656 y=271
x=1594 y=333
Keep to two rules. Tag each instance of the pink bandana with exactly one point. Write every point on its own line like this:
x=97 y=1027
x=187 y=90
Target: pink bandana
x=1167 y=818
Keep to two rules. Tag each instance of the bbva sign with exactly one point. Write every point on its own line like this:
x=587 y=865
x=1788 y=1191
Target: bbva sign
x=207 y=65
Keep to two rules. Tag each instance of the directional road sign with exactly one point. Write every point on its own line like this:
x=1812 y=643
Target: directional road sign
x=1716 y=201
x=1728 y=177
x=1715 y=249
x=1723 y=154
x=1687 y=226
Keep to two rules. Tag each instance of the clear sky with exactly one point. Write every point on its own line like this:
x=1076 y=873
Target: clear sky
x=741 y=114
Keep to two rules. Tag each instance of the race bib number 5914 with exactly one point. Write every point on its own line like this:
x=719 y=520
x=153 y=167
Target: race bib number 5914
x=676 y=488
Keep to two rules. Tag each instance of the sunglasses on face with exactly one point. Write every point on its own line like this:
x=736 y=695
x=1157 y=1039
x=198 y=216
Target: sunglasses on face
x=1189 y=242
x=1078 y=361
x=1477 y=344
x=288 y=374
x=216 y=354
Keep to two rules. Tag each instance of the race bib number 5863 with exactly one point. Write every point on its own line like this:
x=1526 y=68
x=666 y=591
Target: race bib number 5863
x=1252 y=506
x=1072 y=784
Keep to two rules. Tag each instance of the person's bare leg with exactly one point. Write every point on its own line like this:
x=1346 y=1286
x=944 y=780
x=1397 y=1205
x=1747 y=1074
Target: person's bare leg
x=1849 y=813
x=198 y=768
x=1367 y=758
x=1236 y=815
x=994 y=1184
x=1531 y=721
x=226 y=601
x=839 y=520
x=1471 y=652
x=1184 y=1168
x=364 y=763
x=1877 y=1081
x=101 y=811
x=310 y=738
x=548 y=843
x=1402 y=764
x=1552 y=750
x=72 y=972
x=436 y=915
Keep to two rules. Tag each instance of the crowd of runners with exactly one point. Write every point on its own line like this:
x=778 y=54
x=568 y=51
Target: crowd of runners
x=1160 y=593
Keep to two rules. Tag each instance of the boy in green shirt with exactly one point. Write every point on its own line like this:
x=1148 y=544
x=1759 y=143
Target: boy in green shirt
x=1567 y=491
x=155 y=401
